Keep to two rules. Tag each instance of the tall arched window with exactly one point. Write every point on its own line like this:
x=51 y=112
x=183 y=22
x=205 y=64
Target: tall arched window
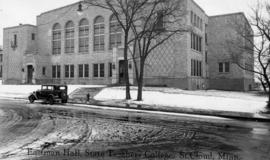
x=115 y=33
x=69 y=37
x=99 y=34
x=83 y=35
x=56 y=39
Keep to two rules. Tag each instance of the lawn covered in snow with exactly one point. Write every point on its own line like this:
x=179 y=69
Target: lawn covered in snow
x=209 y=100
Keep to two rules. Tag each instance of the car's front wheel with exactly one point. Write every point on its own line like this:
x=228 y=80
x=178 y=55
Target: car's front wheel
x=51 y=100
x=31 y=99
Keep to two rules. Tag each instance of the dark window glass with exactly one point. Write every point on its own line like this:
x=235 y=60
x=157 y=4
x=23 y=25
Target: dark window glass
x=72 y=71
x=43 y=70
x=1 y=71
x=15 y=40
x=67 y=71
x=80 y=70
x=33 y=36
x=101 y=74
x=54 y=71
x=95 y=70
x=86 y=70
x=227 y=67
x=220 y=67
x=58 y=71
x=110 y=69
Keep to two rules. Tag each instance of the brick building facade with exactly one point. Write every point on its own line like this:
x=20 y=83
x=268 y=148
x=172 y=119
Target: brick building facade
x=224 y=72
x=71 y=48
x=1 y=63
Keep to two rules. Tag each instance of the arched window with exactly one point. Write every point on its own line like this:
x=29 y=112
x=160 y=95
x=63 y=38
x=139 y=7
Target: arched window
x=99 y=34
x=83 y=35
x=56 y=39
x=69 y=37
x=115 y=33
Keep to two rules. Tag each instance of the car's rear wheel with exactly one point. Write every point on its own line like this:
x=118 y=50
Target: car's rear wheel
x=31 y=99
x=51 y=100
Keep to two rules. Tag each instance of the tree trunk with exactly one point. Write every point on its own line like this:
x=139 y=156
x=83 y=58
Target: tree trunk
x=140 y=82
x=268 y=104
x=263 y=85
x=126 y=67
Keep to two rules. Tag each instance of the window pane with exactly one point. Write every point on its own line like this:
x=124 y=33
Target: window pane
x=220 y=66
x=54 y=71
x=72 y=71
x=227 y=67
x=110 y=69
x=67 y=71
x=101 y=70
x=58 y=71
x=80 y=70
x=86 y=70
x=95 y=72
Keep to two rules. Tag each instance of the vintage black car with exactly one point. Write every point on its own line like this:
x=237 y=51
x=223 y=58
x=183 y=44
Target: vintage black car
x=50 y=93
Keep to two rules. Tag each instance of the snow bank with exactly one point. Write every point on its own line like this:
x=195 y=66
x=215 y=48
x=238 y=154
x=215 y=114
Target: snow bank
x=208 y=100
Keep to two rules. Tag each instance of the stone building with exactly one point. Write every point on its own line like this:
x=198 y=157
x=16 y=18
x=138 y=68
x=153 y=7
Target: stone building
x=225 y=44
x=1 y=63
x=70 y=48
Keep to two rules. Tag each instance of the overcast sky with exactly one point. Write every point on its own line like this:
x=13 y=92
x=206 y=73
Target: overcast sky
x=13 y=12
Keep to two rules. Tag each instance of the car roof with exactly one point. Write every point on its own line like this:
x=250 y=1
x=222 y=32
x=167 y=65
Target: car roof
x=54 y=85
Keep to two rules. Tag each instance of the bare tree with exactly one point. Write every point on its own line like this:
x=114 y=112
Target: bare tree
x=146 y=24
x=159 y=22
x=259 y=46
x=125 y=12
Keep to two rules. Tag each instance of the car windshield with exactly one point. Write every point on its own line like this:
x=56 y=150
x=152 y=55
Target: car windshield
x=46 y=87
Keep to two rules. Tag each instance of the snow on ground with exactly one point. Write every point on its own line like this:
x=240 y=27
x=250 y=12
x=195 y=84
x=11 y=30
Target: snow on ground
x=23 y=91
x=212 y=100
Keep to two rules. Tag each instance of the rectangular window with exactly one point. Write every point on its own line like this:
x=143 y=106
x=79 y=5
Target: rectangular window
x=101 y=70
x=15 y=40
x=192 y=66
x=33 y=36
x=196 y=68
x=86 y=70
x=110 y=70
x=67 y=71
x=43 y=71
x=191 y=17
x=227 y=67
x=72 y=71
x=83 y=70
x=206 y=57
x=80 y=70
x=53 y=71
x=196 y=42
x=56 y=71
x=95 y=70
x=220 y=67
x=1 y=71
x=160 y=21
x=1 y=57
x=224 y=67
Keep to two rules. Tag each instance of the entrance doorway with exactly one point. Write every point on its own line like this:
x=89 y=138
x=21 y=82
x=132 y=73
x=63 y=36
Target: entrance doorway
x=30 y=70
x=121 y=72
